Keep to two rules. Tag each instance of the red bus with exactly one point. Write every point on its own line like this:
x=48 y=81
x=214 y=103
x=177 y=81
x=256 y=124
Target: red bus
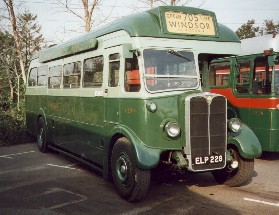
x=251 y=85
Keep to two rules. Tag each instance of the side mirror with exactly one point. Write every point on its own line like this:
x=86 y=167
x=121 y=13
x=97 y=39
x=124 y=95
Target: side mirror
x=127 y=50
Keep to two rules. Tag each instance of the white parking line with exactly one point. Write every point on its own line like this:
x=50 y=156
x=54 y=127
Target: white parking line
x=66 y=167
x=138 y=210
x=54 y=190
x=263 y=202
x=10 y=155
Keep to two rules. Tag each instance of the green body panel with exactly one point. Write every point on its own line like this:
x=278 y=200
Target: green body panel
x=74 y=123
x=264 y=123
x=135 y=115
x=86 y=125
x=246 y=142
x=33 y=112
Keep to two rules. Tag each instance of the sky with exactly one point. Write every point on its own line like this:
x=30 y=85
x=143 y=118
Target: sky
x=58 y=25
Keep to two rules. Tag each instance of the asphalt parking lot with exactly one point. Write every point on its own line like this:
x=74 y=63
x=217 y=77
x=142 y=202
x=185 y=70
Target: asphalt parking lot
x=35 y=183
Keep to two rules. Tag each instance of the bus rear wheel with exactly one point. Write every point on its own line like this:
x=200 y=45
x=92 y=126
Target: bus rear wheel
x=235 y=176
x=131 y=182
x=41 y=135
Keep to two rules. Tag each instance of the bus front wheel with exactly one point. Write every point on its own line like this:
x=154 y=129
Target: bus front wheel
x=131 y=182
x=41 y=135
x=236 y=173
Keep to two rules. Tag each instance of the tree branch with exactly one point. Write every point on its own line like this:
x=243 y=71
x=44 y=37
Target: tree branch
x=66 y=5
x=10 y=7
x=106 y=18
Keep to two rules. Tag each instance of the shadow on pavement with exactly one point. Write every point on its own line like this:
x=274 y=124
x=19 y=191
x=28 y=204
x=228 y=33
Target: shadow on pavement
x=270 y=156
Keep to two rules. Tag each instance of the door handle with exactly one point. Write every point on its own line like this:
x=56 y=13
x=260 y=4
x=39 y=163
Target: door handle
x=106 y=92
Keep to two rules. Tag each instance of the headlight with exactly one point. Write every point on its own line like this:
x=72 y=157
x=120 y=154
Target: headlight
x=234 y=124
x=172 y=129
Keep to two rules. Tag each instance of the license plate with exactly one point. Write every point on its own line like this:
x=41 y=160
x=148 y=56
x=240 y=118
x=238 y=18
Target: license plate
x=208 y=159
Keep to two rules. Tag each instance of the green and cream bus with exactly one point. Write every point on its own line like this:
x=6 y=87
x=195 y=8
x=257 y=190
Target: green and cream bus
x=127 y=98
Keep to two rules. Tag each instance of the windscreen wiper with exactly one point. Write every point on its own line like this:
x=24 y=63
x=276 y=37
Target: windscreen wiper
x=176 y=53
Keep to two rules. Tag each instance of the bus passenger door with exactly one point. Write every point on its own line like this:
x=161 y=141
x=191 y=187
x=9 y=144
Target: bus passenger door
x=260 y=115
x=242 y=88
x=111 y=95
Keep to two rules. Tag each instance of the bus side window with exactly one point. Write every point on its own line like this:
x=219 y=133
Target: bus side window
x=276 y=76
x=93 y=72
x=114 y=66
x=262 y=76
x=42 y=75
x=219 y=74
x=243 y=78
x=54 y=79
x=72 y=73
x=132 y=75
x=32 y=80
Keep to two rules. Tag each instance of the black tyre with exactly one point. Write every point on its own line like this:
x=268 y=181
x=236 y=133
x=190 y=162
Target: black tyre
x=131 y=182
x=41 y=135
x=238 y=176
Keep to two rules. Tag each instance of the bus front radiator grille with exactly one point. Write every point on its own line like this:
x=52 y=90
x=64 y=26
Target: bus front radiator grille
x=208 y=131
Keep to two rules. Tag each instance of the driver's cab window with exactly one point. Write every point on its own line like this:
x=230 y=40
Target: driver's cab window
x=262 y=75
x=243 y=77
x=132 y=75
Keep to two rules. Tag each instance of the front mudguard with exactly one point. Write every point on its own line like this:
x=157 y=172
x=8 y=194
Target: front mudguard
x=246 y=142
x=146 y=158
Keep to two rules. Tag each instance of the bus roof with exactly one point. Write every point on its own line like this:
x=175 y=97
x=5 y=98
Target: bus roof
x=257 y=45
x=151 y=23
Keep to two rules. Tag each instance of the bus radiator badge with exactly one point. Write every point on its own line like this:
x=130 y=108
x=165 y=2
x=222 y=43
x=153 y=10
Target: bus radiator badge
x=209 y=100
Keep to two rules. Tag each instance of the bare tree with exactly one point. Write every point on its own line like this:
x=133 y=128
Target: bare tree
x=12 y=18
x=3 y=17
x=153 y=3
x=148 y=2
x=8 y=62
x=88 y=8
x=175 y=2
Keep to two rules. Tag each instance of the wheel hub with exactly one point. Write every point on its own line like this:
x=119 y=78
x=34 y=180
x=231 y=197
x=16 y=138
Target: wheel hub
x=122 y=168
x=234 y=164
